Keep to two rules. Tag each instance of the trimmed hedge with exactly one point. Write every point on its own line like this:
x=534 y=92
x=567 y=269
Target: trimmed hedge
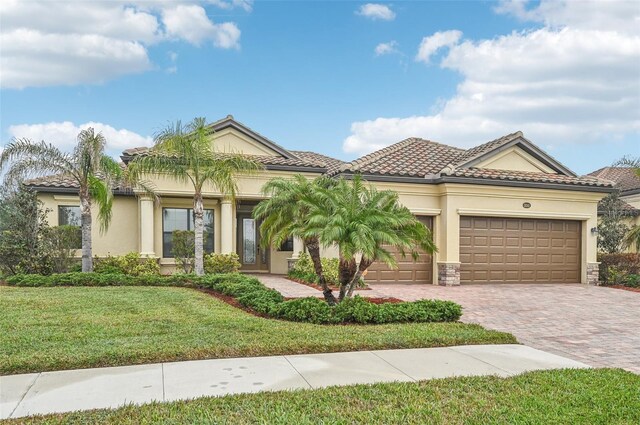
x=619 y=269
x=251 y=293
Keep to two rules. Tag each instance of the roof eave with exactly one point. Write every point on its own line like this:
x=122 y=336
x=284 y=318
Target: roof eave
x=476 y=180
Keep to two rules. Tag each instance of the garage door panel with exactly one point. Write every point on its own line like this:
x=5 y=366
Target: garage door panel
x=409 y=270
x=519 y=250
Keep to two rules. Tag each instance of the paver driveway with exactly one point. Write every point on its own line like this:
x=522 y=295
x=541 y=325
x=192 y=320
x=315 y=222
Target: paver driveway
x=595 y=325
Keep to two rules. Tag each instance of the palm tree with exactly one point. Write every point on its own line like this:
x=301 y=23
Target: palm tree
x=94 y=173
x=187 y=154
x=365 y=223
x=632 y=238
x=286 y=214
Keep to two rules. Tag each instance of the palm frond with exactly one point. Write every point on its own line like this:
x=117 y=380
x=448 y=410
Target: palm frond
x=102 y=194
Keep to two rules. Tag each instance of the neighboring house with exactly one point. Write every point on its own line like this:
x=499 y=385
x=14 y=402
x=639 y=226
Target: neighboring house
x=504 y=211
x=627 y=182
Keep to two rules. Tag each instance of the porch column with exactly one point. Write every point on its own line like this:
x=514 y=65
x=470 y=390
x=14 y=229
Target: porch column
x=145 y=204
x=226 y=226
x=298 y=246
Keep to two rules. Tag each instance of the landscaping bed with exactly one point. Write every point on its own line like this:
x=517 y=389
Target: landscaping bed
x=583 y=396
x=78 y=327
x=250 y=293
x=318 y=287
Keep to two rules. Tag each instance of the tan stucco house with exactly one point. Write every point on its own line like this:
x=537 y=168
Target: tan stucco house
x=503 y=211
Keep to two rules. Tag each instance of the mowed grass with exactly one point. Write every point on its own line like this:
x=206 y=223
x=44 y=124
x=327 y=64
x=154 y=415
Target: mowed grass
x=78 y=327
x=600 y=396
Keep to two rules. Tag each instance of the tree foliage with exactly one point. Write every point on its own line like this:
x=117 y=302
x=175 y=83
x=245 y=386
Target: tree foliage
x=94 y=173
x=612 y=228
x=23 y=222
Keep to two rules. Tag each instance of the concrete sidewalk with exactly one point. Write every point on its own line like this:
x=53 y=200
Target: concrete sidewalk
x=83 y=389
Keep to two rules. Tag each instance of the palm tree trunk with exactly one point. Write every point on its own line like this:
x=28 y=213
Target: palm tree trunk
x=362 y=267
x=198 y=213
x=85 y=221
x=346 y=270
x=313 y=246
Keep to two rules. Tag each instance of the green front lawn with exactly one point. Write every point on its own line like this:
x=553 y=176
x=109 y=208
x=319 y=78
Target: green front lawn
x=600 y=396
x=78 y=327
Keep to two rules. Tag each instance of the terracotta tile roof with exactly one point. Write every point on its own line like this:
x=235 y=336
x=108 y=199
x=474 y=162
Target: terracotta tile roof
x=480 y=150
x=525 y=176
x=304 y=158
x=624 y=178
x=627 y=209
x=329 y=162
x=413 y=157
x=56 y=180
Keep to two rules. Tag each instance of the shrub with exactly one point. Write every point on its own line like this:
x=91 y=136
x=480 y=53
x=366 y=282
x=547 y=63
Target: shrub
x=615 y=269
x=303 y=270
x=309 y=309
x=131 y=264
x=61 y=243
x=356 y=310
x=184 y=249
x=221 y=263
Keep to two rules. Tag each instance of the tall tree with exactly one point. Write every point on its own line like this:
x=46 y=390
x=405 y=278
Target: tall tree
x=187 y=154
x=286 y=213
x=632 y=237
x=365 y=223
x=93 y=172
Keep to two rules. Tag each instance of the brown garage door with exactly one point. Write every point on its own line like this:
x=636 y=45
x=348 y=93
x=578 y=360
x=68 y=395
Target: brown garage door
x=513 y=250
x=408 y=271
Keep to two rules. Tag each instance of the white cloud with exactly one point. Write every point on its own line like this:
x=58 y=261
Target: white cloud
x=48 y=43
x=246 y=5
x=386 y=48
x=64 y=134
x=190 y=22
x=433 y=43
x=570 y=82
x=376 y=11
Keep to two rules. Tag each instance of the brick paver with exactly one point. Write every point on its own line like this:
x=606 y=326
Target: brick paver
x=594 y=325
x=286 y=287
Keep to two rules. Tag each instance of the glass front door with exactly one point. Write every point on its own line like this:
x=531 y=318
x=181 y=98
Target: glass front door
x=252 y=256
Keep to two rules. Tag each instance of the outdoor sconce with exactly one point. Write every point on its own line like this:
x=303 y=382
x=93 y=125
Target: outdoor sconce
x=594 y=230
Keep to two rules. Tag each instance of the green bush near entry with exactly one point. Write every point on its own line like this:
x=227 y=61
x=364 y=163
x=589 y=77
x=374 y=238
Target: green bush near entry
x=221 y=263
x=131 y=264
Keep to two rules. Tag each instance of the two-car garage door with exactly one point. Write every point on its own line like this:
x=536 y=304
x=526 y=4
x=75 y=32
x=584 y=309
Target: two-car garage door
x=514 y=250
x=500 y=250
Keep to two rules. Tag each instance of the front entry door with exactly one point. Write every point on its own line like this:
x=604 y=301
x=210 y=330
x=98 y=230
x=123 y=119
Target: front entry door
x=252 y=256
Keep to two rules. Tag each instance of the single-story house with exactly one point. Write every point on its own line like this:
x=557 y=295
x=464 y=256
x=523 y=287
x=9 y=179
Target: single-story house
x=504 y=211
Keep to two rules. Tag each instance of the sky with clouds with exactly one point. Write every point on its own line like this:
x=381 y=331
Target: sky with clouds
x=340 y=78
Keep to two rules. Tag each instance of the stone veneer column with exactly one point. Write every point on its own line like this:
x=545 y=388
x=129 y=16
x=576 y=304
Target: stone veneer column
x=146 y=226
x=226 y=227
x=593 y=273
x=449 y=274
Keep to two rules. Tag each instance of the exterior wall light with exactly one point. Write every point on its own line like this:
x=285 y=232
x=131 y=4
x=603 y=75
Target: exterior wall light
x=594 y=230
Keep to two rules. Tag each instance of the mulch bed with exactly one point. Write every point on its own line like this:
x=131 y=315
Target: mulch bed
x=318 y=287
x=626 y=288
x=234 y=303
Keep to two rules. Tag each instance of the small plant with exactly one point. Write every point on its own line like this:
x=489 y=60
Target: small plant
x=131 y=264
x=221 y=263
x=303 y=270
x=184 y=248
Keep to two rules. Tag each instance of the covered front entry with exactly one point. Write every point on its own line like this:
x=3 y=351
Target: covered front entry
x=519 y=250
x=408 y=271
x=252 y=256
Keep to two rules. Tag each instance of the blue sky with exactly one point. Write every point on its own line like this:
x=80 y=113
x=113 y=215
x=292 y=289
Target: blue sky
x=307 y=75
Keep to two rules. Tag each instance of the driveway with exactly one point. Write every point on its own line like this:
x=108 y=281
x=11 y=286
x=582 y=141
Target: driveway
x=595 y=325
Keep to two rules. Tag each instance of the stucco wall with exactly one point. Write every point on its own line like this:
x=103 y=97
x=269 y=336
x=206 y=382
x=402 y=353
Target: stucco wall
x=229 y=140
x=122 y=236
x=517 y=159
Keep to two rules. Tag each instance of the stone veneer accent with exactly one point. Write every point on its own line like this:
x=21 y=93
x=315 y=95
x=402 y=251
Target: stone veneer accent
x=593 y=273
x=448 y=274
x=291 y=262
